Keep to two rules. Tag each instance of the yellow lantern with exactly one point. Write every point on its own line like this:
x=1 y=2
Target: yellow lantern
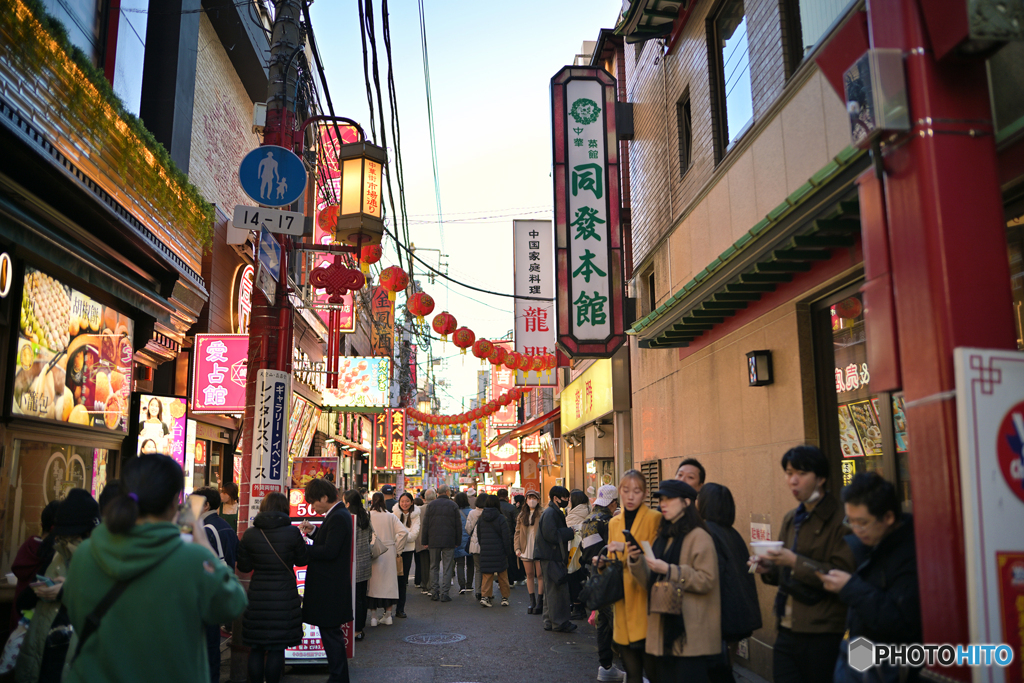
x=362 y=182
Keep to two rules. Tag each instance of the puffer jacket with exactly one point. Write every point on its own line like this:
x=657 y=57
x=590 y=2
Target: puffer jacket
x=441 y=524
x=495 y=541
x=271 y=549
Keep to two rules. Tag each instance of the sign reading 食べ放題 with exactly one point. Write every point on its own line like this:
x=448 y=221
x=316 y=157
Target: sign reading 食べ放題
x=586 y=182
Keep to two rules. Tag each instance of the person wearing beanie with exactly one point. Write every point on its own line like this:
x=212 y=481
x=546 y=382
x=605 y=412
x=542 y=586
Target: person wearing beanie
x=552 y=549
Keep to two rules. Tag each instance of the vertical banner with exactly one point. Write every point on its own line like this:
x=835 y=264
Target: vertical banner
x=534 y=250
x=382 y=327
x=529 y=470
x=269 y=437
x=396 y=446
x=990 y=421
x=381 y=440
x=587 y=203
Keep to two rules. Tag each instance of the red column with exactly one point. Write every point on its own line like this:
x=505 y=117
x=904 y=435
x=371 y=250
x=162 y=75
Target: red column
x=951 y=280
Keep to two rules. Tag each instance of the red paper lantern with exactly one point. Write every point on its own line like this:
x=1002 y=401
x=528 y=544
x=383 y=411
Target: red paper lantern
x=463 y=338
x=327 y=219
x=368 y=255
x=512 y=360
x=849 y=308
x=444 y=324
x=420 y=305
x=505 y=399
x=498 y=355
x=537 y=364
x=394 y=280
x=524 y=362
x=482 y=348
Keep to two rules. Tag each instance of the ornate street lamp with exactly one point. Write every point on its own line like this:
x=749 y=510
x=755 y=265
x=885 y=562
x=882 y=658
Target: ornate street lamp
x=359 y=217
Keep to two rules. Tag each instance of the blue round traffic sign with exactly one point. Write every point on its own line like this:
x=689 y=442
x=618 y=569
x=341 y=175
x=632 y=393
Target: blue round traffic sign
x=272 y=176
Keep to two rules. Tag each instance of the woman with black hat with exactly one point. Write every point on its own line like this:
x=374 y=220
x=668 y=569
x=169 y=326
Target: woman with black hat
x=680 y=644
x=49 y=634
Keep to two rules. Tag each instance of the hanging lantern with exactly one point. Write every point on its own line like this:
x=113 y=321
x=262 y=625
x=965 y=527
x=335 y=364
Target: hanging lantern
x=444 y=324
x=537 y=364
x=369 y=255
x=849 y=308
x=327 y=219
x=359 y=220
x=512 y=360
x=524 y=363
x=420 y=305
x=482 y=348
x=394 y=280
x=463 y=338
x=505 y=399
x=498 y=355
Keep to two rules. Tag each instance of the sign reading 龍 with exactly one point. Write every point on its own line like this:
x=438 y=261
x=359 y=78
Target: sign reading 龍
x=589 y=240
x=534 y=278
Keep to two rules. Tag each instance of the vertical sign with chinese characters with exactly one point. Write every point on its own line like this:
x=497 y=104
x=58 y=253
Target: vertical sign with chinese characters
x=381 y=440
x=586 y=187
x=396 y=445
x=219 y=369
x=382 y=323
x=269 y=436
x=534 y=277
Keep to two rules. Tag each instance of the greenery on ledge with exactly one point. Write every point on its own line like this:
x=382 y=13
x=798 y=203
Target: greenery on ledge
x=36 y=43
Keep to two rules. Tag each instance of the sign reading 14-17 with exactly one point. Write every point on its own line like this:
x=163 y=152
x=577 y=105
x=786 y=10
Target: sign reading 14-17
x=589 y=239
x=272 y=176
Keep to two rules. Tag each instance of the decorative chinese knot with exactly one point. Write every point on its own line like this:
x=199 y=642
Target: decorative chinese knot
x=337 y=280
x=444 y=324
x=463 y=338
x=498 y=355
x=369 y=255
x=420 y=305
x=394 y=280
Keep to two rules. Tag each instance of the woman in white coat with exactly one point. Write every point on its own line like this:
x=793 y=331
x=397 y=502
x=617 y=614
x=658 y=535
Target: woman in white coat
x=409 y=515
x=382 y=588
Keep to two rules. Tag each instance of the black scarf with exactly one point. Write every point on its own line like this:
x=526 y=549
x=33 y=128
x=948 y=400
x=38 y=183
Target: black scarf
x=667 y=547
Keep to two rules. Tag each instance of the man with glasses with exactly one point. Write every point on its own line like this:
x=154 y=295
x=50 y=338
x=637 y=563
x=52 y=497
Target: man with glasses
x=882 y=593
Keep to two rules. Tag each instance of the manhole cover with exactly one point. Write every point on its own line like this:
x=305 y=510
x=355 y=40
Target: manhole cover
x=574 y=649
x=434 y=638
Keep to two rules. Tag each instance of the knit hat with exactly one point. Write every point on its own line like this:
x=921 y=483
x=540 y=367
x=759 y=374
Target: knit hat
x=78 y=514
x=605 y=495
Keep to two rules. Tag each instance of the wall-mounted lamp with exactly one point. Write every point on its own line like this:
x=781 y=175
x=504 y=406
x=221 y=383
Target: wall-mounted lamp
x=759 y=368
x=329 y=441
x=600 y=432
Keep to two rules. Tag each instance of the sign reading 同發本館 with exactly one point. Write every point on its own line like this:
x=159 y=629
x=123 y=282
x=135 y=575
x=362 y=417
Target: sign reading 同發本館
x=534 y=252
x=269 y=437
x=587 y=204
x=990 y=421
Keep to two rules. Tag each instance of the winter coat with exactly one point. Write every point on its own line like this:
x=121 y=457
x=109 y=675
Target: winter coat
x=594 y=533
x=442 y=524
x=553 y=536
x=576 y=515
x=885 y=606
x=327 y=597
x=509 y=512
x=522 y=533
x=420 y=509
x=25 y=567
x=384 y=573
x=36 y=662
x=364 y=558
x=495 y=541
x=463 y=548
x=413 y=536
x=697 y=567
x=820 y=548
x=741 y=612
x=271 y=548
x=470 y=526
x=225 y=538
x=154 y=632
x=630 y=623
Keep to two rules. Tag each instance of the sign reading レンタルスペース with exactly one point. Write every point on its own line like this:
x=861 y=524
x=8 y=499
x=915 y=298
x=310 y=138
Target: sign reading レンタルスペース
x=589 y=240
x=535 y=277
x=269 y=436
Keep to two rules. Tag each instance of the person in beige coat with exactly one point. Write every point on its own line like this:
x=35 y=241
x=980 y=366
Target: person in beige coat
x=382 y=588
x=681 y=648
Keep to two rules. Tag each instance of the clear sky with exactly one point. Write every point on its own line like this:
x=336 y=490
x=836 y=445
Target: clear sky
x=490 y=68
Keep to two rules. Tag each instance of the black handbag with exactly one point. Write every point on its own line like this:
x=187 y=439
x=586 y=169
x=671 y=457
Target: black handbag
x=604 y=588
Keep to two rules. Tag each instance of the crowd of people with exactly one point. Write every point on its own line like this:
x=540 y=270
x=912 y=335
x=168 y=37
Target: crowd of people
x=667 y=587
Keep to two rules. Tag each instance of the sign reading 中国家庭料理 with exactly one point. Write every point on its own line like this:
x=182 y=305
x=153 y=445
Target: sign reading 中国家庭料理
x=590 y=322
x=534 y=251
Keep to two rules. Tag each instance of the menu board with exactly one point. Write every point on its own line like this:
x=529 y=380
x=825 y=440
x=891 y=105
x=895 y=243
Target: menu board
x=302 y=438
x=305 y=470
x=899 y=419
x=849 y=442
x=74 y=360
x=163 y=426
x=866 y=422
x=364 y=382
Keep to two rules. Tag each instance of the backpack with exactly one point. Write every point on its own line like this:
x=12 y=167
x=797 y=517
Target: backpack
x=216 y=537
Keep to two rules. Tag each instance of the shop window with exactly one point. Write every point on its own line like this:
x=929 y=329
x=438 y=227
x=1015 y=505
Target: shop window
x=83 y=21
x=652 y=295
x=685 y=124
x=862 y=430
x=734 y=107
x=809 y=21
x=1006 y=87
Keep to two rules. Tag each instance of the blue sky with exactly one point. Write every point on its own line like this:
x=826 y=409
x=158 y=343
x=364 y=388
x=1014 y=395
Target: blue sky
x=490 y=67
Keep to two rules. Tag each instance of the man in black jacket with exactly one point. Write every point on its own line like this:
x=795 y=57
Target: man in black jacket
x=882 y=594
x=440 y=533
x=327 y=600
x=552 y=549
x=510 y=513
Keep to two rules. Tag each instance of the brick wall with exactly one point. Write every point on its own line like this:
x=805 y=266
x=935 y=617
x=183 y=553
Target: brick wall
x=221 y=124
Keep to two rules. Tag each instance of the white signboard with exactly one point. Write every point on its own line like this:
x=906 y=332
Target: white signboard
x=274 y=220
x=990 y=419
x=269 y=437
x=534 y=249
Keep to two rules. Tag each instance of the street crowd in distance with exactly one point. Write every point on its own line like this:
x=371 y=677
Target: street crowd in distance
x=668 y=589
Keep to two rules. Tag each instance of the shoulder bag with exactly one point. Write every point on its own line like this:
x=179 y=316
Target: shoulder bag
x=604 y=588
x=377 y=547
x=666 y=595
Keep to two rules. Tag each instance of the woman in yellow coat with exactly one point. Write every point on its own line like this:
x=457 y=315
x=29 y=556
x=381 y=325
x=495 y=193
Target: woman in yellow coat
x=630 y=624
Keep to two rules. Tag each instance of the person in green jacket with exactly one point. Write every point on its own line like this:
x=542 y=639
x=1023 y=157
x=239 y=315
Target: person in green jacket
x=154 y=631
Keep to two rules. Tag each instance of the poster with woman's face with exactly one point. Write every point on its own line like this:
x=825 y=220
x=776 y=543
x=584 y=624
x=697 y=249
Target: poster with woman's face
x=162 y=425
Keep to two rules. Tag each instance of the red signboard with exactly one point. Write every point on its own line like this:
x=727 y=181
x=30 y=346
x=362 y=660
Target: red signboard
x=219 y=365
x=381 y=440
x=297 y=506
x=1011 y=606
x=529 y=471
x=502 y=380
x=396 y=445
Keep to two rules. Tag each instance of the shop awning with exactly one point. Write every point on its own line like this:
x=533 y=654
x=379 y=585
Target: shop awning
x=527 y=428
